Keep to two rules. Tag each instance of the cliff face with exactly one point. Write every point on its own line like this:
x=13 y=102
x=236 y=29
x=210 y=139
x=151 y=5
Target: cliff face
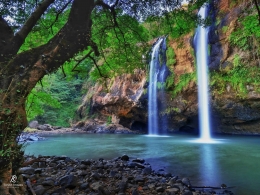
x=125 y=100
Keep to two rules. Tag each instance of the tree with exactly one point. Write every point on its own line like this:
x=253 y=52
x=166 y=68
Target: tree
x=20 y=69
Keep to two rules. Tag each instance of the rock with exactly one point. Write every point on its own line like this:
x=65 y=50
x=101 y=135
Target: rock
x=68 y=181
x=139 y=178
x=187 y=192
x=84 y=186
x=86 y=162
x=48 y=183
x=116 y=179
x=39 y=190
x=134 y=164
x=96 y=185
x=147 y=170
x=95 y=176
x=125 y=157
x=122 y=186
x=186 y=181
x=173 y=190
x=45 y=127
x=38 y=171
x=139 y=160
x=33 y=124
x=135 y=192
x=160 y=189
x=27 y=170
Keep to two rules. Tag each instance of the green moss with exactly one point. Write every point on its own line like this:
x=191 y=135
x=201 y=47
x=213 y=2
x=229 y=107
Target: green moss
x=171 y=60
x=184 y=80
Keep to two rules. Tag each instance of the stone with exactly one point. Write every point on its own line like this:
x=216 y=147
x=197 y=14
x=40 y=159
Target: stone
x=173 y=190
x=139 y=160
x=48 y=183
x=135 y=192
x=38 y=171
x=139 y=179
x=122 y=186
x=42 y=164
x=39 y=190
x=147 y=170
x=160 y=189
x=95 y=176
x=96 y=185
x=68 y=181
x=84 y=186
x=33 y=124
x=27 y=170
x=187 y=192
x=186 y=181
x=86 y=162
x=125 y=157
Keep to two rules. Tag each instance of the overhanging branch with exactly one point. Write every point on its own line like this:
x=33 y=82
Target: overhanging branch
x=59 y=12
x=81 y=60
x=258 y=10
x=30 y=23
x=95 y=63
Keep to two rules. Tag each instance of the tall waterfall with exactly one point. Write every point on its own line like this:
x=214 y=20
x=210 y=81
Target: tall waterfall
x=158 y=74
x=201 y=47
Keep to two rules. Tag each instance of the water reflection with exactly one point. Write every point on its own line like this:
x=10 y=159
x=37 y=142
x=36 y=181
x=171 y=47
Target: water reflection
x=209 y=165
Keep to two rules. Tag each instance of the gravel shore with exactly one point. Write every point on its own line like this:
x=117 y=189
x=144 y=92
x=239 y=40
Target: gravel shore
x=58 y=175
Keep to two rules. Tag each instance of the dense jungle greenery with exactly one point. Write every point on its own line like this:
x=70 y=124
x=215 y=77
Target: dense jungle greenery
x=90 y=40
x=52 y=102
x=56 y=98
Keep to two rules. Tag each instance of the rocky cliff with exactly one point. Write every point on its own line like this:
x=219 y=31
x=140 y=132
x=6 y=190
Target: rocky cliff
x=123 y=100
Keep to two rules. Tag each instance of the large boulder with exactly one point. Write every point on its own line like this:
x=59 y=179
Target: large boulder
x=33 y=124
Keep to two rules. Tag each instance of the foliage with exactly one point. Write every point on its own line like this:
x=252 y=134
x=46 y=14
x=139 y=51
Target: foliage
x=55 y=101
x=161 y=85
x=109 y=120
x=121 y=47
x=170 y=56
x=169 y=110
x=175 y=23
x=250 y=30
x=170 y=81
x=183 y=82
x=238 y=77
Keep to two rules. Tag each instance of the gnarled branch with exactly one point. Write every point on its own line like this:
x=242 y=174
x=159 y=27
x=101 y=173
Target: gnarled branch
x=30 y=23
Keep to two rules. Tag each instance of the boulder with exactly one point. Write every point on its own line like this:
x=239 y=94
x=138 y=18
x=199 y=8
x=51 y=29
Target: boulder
x=33 y=124
x=68 y=181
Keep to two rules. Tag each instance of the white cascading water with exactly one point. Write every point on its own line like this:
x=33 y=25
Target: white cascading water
x=201 y=47
x=154 y=76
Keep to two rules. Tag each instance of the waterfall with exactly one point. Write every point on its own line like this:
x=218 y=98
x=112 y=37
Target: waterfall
x=201 y=47
x=158 y=73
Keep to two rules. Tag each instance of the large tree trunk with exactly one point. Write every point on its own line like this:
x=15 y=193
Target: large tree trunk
x=19 y=74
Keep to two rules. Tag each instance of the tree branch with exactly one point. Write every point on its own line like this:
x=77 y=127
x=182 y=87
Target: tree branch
x=99 y=71
x=6 y=30
x=85 y=57
x=73 y=37
x=30 y=23
x=258 y=10
x=59 y=12
x=111 y=8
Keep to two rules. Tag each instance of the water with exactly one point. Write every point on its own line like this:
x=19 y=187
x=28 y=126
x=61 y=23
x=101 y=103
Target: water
x=201 y=47
x=233 y=160
x=157 y=75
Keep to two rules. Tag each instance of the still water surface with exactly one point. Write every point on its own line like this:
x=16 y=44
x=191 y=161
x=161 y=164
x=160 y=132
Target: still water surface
x=233 y=160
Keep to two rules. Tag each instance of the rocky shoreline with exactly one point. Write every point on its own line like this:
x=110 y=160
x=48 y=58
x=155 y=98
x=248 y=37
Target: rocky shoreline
x=58 y=175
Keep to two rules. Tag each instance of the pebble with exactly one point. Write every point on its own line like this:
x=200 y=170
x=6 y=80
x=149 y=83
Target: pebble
x=119 y=176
